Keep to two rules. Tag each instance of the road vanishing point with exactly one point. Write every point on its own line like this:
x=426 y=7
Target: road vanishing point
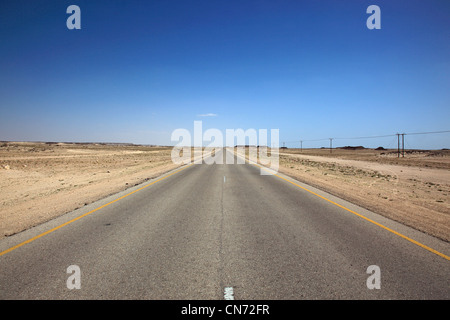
x=211 y=232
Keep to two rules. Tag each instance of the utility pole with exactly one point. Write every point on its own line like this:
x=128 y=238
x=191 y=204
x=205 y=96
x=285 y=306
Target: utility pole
x=398 y=145
x=403 y=145
x=301 y=145
x=331 y=144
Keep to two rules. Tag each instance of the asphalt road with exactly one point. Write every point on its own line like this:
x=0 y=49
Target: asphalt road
x=223 y=231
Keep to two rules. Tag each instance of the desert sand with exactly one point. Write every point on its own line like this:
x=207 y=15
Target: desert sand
x=40 y=181
x=413 y=189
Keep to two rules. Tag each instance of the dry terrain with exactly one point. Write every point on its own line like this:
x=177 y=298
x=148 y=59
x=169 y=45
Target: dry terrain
x=413 y=189
x=39 y=181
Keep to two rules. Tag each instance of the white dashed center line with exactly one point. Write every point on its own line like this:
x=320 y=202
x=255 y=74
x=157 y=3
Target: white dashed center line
x=228 y=293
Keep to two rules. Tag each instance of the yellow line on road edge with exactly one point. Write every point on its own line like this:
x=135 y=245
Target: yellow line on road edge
x=88 y=213
x=360 y=215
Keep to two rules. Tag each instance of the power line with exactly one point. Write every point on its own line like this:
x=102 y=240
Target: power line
x=368 y=137
x=428 y=132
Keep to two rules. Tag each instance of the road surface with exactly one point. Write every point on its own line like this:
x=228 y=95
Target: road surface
x=214 y=232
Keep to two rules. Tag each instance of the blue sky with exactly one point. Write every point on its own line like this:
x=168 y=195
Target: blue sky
x=138 y=70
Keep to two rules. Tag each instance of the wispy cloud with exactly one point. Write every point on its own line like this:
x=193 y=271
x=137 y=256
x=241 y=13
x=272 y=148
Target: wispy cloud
x=207 y=115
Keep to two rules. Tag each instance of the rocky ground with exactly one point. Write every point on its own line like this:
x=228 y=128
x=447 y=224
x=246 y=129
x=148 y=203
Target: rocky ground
x=39 y=181
x=413 y=189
